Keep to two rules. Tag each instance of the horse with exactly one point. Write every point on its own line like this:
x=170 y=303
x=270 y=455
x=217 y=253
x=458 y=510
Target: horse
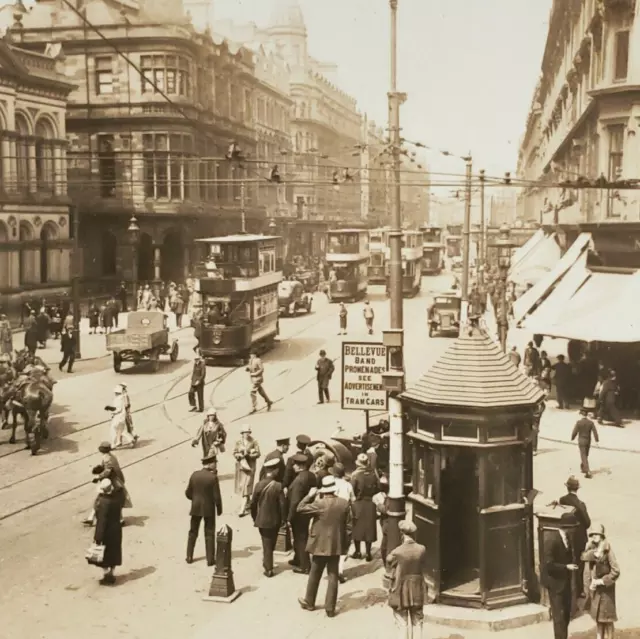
x=33 y=401
x=23 y=358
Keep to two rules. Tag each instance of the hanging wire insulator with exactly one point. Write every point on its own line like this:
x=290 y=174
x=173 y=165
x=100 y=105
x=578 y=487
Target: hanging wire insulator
x=274 y=176
x=234 y=152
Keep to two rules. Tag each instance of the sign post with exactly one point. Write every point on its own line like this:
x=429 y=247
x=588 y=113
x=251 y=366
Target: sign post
x=363 y=364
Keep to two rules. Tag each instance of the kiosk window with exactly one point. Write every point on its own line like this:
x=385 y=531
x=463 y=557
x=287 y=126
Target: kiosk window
x=424 y=478
x=504 y=478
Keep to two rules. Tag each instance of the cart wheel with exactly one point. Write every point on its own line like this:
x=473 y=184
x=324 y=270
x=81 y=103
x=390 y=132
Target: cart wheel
x=154 y=358
x=309 y=308
x=431 y=331
x=117 y=362
x=173 y=355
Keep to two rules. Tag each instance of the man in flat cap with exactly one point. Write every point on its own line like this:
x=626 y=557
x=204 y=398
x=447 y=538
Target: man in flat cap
x=268 y=511
x=198 y=377
x=330 y=530
x=406 y=570
x=302 y=443
x=304 y=480
x=203 y=491
x=282 y=447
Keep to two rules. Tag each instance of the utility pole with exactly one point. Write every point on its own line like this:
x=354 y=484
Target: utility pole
x=394 y=338
x=483 y=239
x=77 y=266
x=466 y=245
x=242 y=207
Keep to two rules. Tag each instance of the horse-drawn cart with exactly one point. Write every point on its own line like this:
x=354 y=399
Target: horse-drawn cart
x=145 y=339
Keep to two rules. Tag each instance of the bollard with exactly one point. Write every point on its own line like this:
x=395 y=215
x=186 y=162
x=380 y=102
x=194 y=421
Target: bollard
x=223 y=589
x=284 y=545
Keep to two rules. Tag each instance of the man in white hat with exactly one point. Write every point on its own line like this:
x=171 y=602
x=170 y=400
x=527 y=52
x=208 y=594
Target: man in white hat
x=118 y=419
x=406 y=570
x=269 y=511
x=330 y=531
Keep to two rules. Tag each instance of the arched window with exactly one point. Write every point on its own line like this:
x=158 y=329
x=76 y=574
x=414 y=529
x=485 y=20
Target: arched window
x=109 y=254
x=48 y=233
x=26 y=235
x=23 y=174
x=45 y=135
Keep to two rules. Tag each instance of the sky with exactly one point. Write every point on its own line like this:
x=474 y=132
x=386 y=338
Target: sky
x=469 y=67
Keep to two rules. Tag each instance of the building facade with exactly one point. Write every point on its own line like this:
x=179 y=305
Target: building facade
x=149 y=138
x=584 y=117
x=34 y=207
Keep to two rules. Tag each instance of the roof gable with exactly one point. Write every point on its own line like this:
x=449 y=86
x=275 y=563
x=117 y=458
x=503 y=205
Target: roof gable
x=474 y=373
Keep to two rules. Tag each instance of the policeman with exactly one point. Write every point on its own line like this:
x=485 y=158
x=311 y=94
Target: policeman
x=282 y=447
x=302 y=483
x=302 y=442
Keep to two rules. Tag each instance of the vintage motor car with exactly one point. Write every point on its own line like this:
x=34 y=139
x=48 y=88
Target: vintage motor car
x=145 y=339
x=292 y=297
x=444 y=314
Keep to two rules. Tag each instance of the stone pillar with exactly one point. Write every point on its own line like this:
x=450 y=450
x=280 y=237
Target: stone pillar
x=33 y=178
x=12 y=175
x=156 y=262
x=186 y=261
x=6 y=164
x=57 y=171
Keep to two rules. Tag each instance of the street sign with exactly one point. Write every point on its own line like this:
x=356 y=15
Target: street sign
x=363 y=364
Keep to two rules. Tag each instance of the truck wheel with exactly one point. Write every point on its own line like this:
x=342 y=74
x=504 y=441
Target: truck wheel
x=154 y=358
x=117 y=362
x=431 y=331
x=173 y=355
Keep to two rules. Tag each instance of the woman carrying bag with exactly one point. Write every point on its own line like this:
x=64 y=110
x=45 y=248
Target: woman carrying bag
x=603 y=574
x=246 y=453
x=107 y=551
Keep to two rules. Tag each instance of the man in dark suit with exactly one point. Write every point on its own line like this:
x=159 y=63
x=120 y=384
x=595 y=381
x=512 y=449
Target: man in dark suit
x=584 y=430
x=269 y=511
x=303 y=482
x=68 y=349
x=282 y=446
x=584 y=523
x=206 y=501
x=559 y=564
x=302 y=442
x=198 y=376
x=330 y=530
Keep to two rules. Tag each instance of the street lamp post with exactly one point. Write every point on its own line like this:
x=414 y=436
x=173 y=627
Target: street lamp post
x=134 y=237
x=466 y=244
x=504 y=245
x=393 y=339
x=77 y=263
x=483 y=239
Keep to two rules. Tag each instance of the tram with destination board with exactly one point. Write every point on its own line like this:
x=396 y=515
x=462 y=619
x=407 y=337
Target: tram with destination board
x=432 y=250
x=376 y=271
x=238 y=285
x=411 y=263
x=347 y=259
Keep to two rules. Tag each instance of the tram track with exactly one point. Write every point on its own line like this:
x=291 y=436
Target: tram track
x=215 y=383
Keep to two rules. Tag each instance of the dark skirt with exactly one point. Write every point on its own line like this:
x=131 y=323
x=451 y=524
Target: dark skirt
x=365 y=527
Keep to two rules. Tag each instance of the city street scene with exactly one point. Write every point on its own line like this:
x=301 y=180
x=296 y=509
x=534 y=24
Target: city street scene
x=319 y=318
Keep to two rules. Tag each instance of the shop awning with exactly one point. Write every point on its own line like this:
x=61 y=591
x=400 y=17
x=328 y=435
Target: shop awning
x=603 y=310
x=555 y=304
x=522 y=251
x=537 y=293
x=538 y=262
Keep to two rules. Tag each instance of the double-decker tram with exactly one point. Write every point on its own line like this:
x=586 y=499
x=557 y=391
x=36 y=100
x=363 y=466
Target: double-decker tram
x=238 y=284
x=432 y=250
x=376 y=271
x=411 y=263
x=348 y=259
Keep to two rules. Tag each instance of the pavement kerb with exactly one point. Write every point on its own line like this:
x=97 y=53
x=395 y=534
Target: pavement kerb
x=631 y=451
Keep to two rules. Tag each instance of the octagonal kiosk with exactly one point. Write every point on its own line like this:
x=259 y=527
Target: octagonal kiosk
x=470 y=434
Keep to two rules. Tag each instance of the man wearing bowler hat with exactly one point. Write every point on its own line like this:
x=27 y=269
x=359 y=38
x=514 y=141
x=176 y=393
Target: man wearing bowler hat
x=268 y=511
x=282 y=447
x=584 y=430
x=302 y=443
x=302 y=483
x=584 y=523
x=203 y=491
x=330 y=530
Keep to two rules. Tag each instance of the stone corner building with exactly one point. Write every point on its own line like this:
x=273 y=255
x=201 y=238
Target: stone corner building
x=34 y=208
x=131 y=151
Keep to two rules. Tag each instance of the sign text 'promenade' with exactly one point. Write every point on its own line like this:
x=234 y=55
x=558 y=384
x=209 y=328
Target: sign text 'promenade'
x=363 y=364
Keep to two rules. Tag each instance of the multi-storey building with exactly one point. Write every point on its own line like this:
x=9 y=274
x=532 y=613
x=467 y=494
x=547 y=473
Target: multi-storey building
x=583 y=120
x=34 y=207
x=155 y=108
x=375 y=175
x=415 y=194
x=325 y=128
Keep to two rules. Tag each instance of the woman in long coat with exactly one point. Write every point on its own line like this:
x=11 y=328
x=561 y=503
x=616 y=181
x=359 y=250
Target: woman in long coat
x=603 y=574
x=365 y=486
x=246 y=453
x=108 y=531
x=212 y=435
x=94 y=317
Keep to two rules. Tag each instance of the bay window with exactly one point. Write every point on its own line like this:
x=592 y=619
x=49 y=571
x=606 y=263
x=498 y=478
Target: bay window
x=168 y=170
x=170 y=74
